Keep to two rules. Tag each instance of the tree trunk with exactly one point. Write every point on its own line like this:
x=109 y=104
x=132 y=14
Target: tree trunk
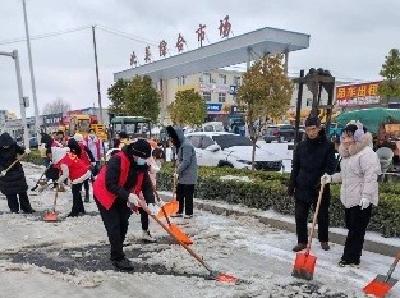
x=253 y=157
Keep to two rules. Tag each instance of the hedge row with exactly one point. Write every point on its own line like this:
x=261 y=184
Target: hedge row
x=268 y=191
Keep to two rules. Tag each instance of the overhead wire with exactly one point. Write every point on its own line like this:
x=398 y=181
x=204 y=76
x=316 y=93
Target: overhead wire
x=45 y=35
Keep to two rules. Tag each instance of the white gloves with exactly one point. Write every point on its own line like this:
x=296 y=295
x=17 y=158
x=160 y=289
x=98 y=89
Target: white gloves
x=176 y=176
x=153 y=208
x=160 y=203
x=133 y=199
x=326 y=179
x=364 y=203
x=2 y=173
x=27 y=151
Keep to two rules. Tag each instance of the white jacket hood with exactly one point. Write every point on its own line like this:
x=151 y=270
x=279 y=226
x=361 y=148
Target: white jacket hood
x=57 y=153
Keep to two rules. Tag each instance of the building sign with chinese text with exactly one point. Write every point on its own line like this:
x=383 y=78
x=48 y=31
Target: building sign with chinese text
x=214 y=87
x=358 y=94
x=214 y=107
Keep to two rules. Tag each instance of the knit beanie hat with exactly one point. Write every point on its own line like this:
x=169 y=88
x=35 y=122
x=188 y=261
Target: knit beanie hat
x=140 y=148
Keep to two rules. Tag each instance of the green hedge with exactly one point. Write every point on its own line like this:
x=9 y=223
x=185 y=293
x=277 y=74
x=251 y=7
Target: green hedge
x=268 y=191
x=34 y=157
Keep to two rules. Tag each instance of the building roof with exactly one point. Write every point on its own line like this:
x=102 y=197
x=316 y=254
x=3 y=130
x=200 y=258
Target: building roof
x=234 y=50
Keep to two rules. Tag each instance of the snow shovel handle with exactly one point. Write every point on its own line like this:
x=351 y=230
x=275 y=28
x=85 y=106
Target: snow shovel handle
x=19 y=157
x=393 y=266
x=55 y=199
x=162 y=207
x=190 y=251
x=315 y=217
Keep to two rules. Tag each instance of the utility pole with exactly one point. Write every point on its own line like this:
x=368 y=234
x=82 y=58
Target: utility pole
x=97 y=73
x=14 y=55
x=28 y=42
x=98 y=83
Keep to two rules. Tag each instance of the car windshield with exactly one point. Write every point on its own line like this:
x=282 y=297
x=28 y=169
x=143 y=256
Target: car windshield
x=231 y=141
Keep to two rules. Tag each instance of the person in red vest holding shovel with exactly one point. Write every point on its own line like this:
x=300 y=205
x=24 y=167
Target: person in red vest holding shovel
x=76 y=170
x=123 y=184
x=85 y=155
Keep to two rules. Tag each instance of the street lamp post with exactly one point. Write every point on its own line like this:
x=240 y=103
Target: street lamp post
x=28 y=42
x=14 y=55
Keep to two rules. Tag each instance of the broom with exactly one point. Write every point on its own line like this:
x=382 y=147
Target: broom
x=304 y=263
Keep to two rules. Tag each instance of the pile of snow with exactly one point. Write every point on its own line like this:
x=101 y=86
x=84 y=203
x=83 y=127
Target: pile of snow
x=245 y=179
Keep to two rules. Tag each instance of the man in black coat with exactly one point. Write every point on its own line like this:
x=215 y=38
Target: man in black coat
x=13 y=182
x=313 y=157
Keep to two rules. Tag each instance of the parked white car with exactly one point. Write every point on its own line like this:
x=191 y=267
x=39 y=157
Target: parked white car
x=227 y=149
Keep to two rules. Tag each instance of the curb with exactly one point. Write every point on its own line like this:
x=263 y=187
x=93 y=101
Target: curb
x=384 y=249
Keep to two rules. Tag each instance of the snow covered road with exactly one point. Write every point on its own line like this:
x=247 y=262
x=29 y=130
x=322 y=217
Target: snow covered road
x=70 y=258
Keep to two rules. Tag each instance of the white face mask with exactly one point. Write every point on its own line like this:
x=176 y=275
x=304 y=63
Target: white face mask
x=141 y=162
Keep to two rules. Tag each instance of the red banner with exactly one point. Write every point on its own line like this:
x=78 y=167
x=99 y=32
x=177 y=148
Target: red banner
x=357 y=90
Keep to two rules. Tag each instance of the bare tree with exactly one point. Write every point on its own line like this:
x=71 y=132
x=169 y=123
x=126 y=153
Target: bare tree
x=56 y=107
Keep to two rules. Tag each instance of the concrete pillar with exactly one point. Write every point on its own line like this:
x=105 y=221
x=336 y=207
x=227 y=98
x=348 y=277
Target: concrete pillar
x=286 y=67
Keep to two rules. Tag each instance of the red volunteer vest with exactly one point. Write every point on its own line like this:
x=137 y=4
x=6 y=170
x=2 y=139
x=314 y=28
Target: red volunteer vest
x=77 y=168
x=84 y=155
x=102 y=195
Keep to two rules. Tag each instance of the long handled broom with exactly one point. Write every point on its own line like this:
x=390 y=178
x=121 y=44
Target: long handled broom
x=381 y=285
x=218 y=276
x=52 y=216
x=304 y=263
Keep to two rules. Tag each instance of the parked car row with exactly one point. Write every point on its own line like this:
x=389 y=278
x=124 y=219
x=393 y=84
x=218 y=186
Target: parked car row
x=281 y=133
x=229 y=150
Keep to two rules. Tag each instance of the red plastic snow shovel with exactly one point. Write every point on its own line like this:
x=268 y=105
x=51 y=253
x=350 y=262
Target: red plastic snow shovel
x=52 y=216
x=382 y=284
x=304 y=263
x=218 y=276
x=172 y=207
x=174 y=229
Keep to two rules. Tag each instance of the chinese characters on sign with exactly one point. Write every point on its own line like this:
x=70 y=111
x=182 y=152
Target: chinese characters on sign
x=180 y=43
x=163 y=48
x=133 y=60
x=358 y=94
x=225 y=27
x=147 y=57
x=201 y=34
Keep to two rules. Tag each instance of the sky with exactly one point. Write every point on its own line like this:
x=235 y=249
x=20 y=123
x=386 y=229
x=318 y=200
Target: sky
x=350 y=38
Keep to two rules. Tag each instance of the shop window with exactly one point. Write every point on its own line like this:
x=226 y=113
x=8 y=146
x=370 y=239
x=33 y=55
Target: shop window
x=222 y=97
x=207 y=96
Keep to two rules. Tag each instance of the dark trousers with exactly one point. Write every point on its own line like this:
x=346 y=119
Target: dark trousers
x=302 y=210
x=184 y=195
x=86 y=187
x=116 y=221
x=23 y=203
x=77 y=203
x=144 y=218
x=356 y=222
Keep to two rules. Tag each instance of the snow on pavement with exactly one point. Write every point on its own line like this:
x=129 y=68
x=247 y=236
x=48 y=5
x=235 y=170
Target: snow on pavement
x=70 y=258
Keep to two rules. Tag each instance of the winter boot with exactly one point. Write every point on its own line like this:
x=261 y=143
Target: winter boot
x=123 y=265
x=177 y=215
x=146 y=237
x=343 y=263
x=325 y=246
x=299 y=247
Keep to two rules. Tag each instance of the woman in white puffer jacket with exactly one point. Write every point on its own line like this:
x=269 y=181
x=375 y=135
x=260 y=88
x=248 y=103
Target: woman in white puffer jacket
x=360 y=168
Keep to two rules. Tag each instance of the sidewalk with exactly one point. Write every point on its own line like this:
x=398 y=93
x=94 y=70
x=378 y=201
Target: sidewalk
x=373 y=241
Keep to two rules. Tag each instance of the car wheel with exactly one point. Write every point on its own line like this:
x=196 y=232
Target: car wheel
x=225 y=164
